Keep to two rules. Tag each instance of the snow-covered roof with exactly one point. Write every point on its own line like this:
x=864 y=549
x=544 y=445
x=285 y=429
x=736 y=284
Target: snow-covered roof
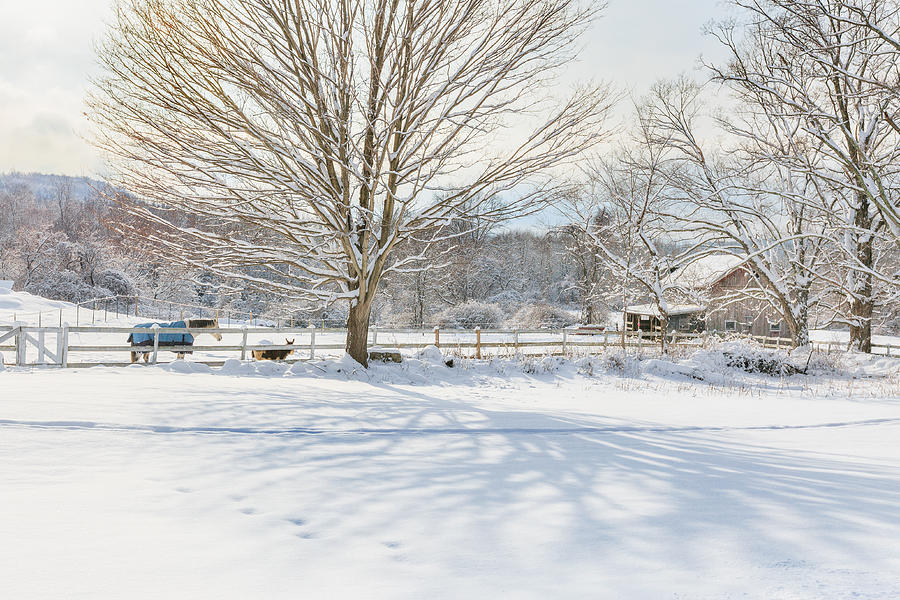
x=705 y=271
x=674 y=310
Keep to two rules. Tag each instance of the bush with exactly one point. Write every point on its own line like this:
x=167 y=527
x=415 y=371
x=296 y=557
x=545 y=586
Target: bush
x=508 y=300
x=469 y=315
x=116 y=282
x=543 y=316
x=65 y=285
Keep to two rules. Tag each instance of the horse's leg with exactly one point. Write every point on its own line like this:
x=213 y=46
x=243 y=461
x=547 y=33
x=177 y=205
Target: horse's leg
x=134 y=357
x=147 y=357
x=180 y=355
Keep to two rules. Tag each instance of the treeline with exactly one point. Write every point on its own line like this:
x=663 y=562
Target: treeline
x=62 y=238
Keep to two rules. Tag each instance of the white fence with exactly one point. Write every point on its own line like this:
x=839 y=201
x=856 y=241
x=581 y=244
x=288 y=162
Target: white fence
x=53 y=346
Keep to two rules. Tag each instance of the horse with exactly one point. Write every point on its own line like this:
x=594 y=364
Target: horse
x=274 y=354
x=170 y=339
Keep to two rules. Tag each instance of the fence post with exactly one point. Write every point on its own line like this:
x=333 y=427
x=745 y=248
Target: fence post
x=244 y=343
x=888 y=349
x=565 y=339
x=437 y=336
x=516 y=339
x=375 y=335
x=106 y=310
x=312 y=342
x=478 y=343
x=94 y=314
x=605 y=340
x=42 y=357
x=640 y=344
x=40 y=324
x=63 y=355
x=155 y=342
x=60 y=317
x=77 y=311
x=135 y=306
x=20 y=347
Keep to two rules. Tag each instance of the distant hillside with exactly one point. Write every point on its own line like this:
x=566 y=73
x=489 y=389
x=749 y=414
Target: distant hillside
x=45 y=186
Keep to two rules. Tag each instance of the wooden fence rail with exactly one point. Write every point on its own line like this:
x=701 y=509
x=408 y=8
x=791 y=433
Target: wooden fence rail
x=52 y=345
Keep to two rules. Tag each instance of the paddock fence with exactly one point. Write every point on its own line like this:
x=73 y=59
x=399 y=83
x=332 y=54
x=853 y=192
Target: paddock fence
x=91 y=345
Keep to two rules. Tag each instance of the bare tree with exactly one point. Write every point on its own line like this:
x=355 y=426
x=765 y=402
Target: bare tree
x=829 y=67
x=627 y=208
x=311 y=138
x=740 y=206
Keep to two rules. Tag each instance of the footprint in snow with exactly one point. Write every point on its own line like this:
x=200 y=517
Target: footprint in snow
x=248 y=511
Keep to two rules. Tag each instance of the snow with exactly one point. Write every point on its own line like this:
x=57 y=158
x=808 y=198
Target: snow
x=674 y=310
x=22 y=305
x=517 y=478
x=706 y=270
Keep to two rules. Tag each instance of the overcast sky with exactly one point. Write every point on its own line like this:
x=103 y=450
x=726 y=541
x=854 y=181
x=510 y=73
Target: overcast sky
x=46 y=58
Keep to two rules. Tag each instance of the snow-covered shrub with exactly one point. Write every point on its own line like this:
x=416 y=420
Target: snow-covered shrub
x=65 y=285
x=619 y=363
x=543 y=316
x=749 y=357
x=469 y=315
x=117 y=282
x=508 y=300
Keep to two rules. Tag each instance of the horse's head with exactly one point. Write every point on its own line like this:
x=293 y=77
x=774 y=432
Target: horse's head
x=206 y=324
x=215 y=325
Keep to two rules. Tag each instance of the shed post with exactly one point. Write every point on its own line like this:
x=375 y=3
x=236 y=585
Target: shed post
x=437 y=336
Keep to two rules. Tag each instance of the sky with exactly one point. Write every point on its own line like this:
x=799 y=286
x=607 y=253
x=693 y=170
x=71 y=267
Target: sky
x=47 y=59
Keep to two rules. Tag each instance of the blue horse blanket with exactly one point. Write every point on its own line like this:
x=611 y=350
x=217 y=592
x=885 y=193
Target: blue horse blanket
x=165 y=339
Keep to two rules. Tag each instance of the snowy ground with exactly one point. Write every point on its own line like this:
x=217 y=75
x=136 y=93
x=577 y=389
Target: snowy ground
x=501 y=480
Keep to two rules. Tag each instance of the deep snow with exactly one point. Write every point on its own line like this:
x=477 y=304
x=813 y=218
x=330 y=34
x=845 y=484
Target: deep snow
x=605 y=478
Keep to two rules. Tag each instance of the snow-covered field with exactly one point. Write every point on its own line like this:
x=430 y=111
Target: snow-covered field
x=509 y=479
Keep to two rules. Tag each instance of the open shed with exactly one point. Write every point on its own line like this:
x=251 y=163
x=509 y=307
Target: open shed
x=682 y=318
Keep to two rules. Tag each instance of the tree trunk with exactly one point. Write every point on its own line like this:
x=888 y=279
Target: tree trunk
x=799 y=322
x=861 y=314
x=861 y=302
x=358 y=333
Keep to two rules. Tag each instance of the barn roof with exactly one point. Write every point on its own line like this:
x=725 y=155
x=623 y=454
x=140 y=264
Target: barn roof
x=674 y=310
x=706 y=271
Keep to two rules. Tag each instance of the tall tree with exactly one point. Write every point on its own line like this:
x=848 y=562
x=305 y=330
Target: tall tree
x=311 y=138
x=829 y=67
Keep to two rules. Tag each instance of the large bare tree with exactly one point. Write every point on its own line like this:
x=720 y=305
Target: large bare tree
x=826 y=72
x=310 y=138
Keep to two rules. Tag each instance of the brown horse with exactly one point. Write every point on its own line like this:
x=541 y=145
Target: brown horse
x=170 y=339
x=274 y=354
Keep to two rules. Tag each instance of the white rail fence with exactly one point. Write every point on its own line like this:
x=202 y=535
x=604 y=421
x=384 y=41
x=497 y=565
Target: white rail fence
x=52 y=346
